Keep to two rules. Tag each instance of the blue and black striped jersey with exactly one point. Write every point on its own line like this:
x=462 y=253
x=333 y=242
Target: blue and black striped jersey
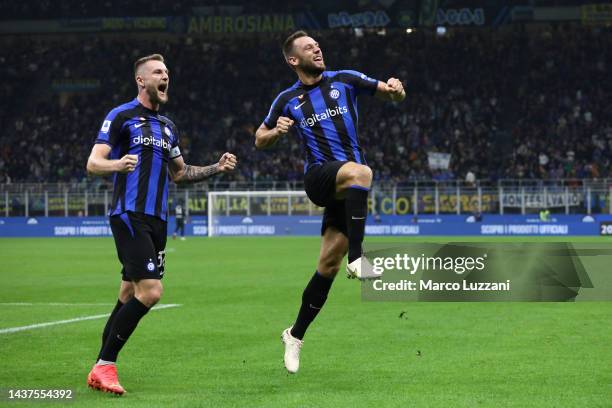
x=325 y=115
x=133 y=129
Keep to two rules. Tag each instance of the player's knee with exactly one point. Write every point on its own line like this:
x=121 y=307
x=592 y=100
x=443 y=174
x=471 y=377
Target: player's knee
x=365 y=174
x=151 y=296
x=360 y=175
x=125 y=295
x=126 y=291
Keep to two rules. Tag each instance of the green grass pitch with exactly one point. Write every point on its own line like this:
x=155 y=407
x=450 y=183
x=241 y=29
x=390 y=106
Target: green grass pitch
x=222 y=347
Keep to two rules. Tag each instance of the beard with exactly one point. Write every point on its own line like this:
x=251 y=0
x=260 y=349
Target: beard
x=155 y=96
x=311 y=69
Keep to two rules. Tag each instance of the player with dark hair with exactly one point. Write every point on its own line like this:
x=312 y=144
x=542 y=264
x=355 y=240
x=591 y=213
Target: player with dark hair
x=323 y=105
x=140 y=148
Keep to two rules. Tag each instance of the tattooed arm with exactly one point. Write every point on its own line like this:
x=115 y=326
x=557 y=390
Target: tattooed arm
x=182 y=173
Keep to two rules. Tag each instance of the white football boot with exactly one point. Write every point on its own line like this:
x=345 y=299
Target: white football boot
x=292 y=351
x=362 y=269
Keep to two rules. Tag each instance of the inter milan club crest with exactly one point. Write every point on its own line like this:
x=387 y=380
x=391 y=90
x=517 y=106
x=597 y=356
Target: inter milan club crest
x=334 y=94
x=167 y=131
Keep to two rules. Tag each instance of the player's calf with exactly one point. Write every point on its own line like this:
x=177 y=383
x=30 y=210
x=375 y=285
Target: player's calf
x=333 y=250
x=147 y=293
x=353 y=183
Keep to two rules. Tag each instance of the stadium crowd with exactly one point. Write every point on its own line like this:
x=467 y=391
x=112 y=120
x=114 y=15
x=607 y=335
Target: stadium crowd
x=549 y=90
x=78 y=9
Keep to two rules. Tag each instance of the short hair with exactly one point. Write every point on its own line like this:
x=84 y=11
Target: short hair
x=288 y=44
x=152 y=57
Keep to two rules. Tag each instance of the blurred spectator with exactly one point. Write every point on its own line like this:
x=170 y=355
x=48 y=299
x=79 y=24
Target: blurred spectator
x=551 y=90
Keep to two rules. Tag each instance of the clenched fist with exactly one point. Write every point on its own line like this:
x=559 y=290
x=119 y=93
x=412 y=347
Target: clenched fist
x=283 y=124
x=227 y=162
x=396 y=89
x=127 y=163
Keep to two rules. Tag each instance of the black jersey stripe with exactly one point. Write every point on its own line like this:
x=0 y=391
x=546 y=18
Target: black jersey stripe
x=146 y=162
x=324 y=147
x=355 y=119
x=351 y=107
x=161 y=184
x=121 y=178
x=119 y=192
x=310 y=157
x=338 y=122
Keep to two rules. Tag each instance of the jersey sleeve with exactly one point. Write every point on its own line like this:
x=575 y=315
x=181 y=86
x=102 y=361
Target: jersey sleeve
x=276 y=110
x=175 y=151
x=362 y=83
x=110 y=131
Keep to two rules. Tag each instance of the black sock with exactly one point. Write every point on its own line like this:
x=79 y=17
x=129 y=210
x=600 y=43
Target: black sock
x=313 y=299
x=125 y=322
x=356 y=204
x=109 y=324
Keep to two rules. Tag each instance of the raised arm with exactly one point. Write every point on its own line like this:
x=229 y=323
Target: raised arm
x=100 y=165
x=266 y=137
x=182 y=173
x=392 y=91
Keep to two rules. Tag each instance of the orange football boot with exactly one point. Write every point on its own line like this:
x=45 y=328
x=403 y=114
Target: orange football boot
x=104 y=378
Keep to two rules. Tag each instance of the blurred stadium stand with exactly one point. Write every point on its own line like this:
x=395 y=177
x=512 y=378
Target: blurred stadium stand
x=507 y=99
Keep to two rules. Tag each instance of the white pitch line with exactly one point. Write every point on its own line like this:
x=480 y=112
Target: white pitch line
x=76 y=319
x=53 y=304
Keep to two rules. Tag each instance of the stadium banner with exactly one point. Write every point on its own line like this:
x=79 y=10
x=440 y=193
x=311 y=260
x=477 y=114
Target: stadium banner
x=541 y=200
x=427 y=12
x=438 y=161
x=385 y=203
x=461 y=17
x=78 y=227
x=283 y=225
x=484 y=272
x=364 y=19
x=88 y=25
x=596 y=14
x=250 y=23
x=465 y=13
x=440 y=13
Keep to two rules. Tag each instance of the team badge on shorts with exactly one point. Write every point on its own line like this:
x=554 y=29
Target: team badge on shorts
x=150 y=266
x=334 y=94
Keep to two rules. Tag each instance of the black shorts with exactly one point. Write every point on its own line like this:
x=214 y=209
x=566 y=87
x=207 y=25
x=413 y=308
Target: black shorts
x=140 y=240
x=320 y=186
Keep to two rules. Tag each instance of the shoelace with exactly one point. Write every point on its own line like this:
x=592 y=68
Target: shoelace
x=298 y=343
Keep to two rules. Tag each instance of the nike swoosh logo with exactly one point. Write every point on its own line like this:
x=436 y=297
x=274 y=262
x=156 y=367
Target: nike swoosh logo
x=136 y=126
x=298 y=106
x=358 y=218
x=314 y=307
